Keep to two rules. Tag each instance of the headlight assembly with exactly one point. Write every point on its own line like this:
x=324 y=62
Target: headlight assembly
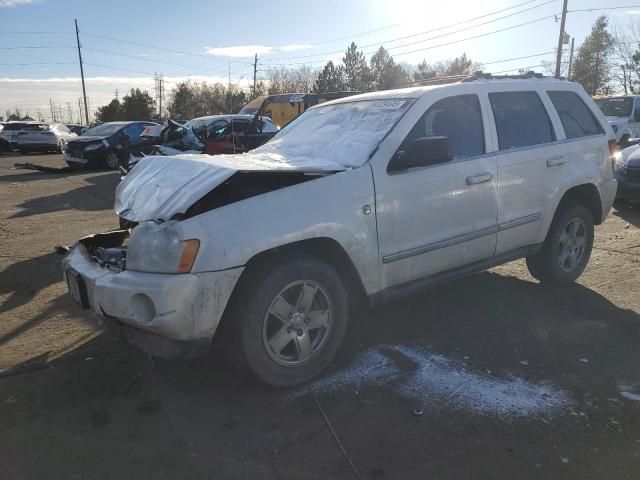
x=156 y=248
x=92 y=146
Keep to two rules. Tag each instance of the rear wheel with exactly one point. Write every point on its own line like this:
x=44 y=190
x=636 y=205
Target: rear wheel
x=289 y=320
x=567 y=248
x=112 y=161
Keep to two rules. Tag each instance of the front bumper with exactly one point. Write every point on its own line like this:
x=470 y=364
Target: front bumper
x=607 y=195
x=177 y=308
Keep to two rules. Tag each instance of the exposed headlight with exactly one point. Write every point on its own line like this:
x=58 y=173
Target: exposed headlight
x=156 y=248
x=92 y=146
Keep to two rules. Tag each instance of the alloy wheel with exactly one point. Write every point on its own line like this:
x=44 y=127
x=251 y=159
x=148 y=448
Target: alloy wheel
x=298 y=323
x=572 y=247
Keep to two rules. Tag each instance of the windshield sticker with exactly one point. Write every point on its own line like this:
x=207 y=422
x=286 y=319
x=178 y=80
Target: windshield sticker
x=389 y=104
x=296 y=98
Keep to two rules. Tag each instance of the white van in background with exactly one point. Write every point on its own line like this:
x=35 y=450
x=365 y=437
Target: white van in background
x=623 y=114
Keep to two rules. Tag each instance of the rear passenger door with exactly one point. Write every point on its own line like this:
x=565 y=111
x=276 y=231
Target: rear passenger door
x=532 y=167
x=585 y=139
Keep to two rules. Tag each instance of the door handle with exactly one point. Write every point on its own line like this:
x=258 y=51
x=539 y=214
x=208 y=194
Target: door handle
x=556 y=161
x=480 y=178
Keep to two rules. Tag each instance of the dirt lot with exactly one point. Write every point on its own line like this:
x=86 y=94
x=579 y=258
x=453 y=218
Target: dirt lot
x=514 y=380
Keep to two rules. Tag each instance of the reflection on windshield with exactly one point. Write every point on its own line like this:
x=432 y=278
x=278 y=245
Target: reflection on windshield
x=344 y=133
x=104 y=130
x=616 y=107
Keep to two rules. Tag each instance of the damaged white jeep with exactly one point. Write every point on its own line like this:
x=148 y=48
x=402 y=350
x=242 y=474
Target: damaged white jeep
x=367 y=197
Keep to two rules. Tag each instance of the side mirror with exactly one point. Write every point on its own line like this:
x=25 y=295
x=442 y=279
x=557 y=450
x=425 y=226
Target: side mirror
x=422 y=152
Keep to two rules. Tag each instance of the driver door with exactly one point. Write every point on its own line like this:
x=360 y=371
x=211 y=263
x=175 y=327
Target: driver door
x=439 y=217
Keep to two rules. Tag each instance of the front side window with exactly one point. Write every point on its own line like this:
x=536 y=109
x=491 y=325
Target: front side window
x=457 y=118
x=521 y=120
x=576 y=118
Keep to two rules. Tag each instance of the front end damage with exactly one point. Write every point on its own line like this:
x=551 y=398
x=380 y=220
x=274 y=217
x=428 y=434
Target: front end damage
x=165 y=315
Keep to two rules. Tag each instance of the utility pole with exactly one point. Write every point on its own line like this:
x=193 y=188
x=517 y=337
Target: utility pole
x=80 y=111
x=84 y=91
x=161 y=80
x=255 y=73
x=561 y=37
x=573 y=40
x=53 y=114
x=229 y=81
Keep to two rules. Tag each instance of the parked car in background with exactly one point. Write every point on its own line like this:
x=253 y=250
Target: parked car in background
x=11 y=129
x=105 y=145
x=627 y=172
x=5 y=146
x=75 y=128
x=42 y=137
x=623 y=114
x=223 y=133
x=371 y=197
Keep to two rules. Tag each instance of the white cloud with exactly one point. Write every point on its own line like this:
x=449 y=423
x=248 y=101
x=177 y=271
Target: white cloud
x=293 y=48
x=14 y=3
x=239 y=51
x=250 y=50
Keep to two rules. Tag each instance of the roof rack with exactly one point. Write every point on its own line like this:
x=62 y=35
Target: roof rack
x=523 y=76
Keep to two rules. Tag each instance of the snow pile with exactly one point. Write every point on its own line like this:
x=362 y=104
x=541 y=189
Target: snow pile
x=334 y=137
x=630 y=392
x=434 y=379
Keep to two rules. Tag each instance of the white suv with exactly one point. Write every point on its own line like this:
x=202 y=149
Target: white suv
x=623 y=114
x=367 y=197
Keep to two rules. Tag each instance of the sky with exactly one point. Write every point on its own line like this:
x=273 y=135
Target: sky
x=125 y=42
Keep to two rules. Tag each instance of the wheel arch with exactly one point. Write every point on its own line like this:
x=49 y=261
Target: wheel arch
x=586 y=194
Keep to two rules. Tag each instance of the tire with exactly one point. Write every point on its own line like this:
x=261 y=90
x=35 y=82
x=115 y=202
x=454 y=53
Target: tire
x=286 y=348
x=567 y=248
x=112 y=161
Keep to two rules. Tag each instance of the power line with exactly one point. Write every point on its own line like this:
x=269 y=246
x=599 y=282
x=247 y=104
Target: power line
x=181 y=52
x=144 y=59
x=15 y=32
x=603 y=8
x=35 y=63
x=32 y=47
x=431 y=31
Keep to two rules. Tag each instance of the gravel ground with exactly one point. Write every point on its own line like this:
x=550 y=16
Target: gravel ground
x=489 y=377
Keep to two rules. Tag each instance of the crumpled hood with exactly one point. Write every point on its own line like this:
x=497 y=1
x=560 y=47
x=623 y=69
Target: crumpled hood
x=630 y=156
x=159 y=187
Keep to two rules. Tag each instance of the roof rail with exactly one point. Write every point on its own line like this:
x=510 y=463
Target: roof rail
x=487 y=76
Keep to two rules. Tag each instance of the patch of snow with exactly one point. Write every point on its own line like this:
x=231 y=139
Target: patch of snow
x=630 y=392
x=417 y=374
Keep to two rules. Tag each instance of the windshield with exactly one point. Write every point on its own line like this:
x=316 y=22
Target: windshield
x=104 y=130
x=342 y=134
x=616 y=107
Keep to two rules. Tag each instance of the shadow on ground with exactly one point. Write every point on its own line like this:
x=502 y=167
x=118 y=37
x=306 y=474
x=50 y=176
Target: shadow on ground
x=200 y=419
x=628 y=211
x=98 y=195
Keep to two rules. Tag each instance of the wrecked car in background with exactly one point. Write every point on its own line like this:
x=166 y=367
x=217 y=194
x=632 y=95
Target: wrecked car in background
x=369 y=197
x=106 y=145
x=43 y=137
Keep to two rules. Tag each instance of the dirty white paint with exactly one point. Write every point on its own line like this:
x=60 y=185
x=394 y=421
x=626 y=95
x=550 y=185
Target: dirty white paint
x=437 y=382
x=630 y=392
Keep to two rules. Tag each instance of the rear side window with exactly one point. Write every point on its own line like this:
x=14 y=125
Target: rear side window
x=577 y=119
x=457 y=118
x=521 y=119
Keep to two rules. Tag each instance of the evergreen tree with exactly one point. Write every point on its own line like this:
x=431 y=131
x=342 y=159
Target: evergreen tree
x=356 y=71
x=110 y=112
x=330 y=79
x=138 y=105
x=592 y=67
x=384 y=72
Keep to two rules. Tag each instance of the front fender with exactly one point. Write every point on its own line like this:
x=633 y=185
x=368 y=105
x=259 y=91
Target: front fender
x=330 y=206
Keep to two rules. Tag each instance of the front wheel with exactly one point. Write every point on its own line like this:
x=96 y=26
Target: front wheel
x=567 y=248
x=112 y=161
x=289 y=321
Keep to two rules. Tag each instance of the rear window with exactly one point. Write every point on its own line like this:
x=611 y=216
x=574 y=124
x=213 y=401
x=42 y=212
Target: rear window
x=38 y=127
x=521 y=119
x=577 y=119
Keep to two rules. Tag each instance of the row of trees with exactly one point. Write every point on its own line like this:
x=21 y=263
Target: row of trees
x=606 y=62
x=194 y=99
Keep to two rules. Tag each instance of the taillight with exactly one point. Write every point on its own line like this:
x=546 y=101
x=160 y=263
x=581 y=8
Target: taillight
x=613 y=149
